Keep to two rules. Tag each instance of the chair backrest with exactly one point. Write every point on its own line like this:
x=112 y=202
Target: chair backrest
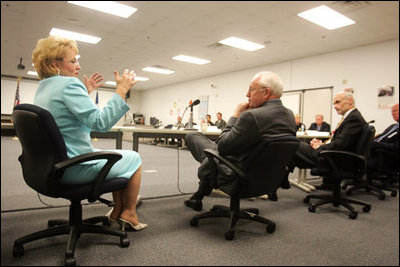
x=265 y=167
x=42 y=147
x=363 y=146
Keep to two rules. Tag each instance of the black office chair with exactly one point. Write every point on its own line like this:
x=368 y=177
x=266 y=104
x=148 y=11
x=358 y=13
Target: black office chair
x=43 y=160
x=262 y=173
x=382 y=174
x=335 y=166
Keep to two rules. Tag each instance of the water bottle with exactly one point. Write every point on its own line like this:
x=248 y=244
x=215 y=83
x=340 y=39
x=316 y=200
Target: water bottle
x=302 y=128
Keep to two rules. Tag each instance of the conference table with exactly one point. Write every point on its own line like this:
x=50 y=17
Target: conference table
x=151 y=132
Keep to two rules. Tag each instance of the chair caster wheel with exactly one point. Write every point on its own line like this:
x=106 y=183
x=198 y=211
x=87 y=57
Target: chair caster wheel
x=306 y=200
x=311 y=208
x=353 y=215
x=367 y=208
x=18 y=250
x=229 y=235
x=271 y=228
x=70 y=261
x=124 y=242
x=393 y=194
x=194 y=222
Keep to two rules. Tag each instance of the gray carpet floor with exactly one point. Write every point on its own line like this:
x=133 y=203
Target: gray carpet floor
x=324 y=238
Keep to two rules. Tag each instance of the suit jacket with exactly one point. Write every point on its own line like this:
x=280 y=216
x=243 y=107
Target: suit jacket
x=325 y=127
x=220 y=124
x=244 y=133
x=390 y=142
x=346 y=135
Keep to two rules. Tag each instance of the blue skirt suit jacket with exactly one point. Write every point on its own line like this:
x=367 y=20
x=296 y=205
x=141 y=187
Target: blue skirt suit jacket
x=67 y=99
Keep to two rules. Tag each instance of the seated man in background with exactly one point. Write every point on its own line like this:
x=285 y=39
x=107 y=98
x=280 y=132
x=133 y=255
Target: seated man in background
x=262 y=116
x=319 y=124
x=344 y=137
x=208 y=120
x=300 y=127
x=388 y=140
x=220 y=123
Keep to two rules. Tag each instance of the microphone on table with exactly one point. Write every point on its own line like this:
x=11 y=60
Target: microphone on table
x=196 y=102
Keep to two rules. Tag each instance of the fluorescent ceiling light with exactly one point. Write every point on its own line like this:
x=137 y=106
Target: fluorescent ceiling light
x=158 y=70
x=193 y=60
x=76 y=36
x=34 y=73
x=326 y=17
x=241 y=44
x=109 y=7
x=138 y=78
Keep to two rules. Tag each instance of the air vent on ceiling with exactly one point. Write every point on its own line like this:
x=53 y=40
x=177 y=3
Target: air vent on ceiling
x=350 y=5
x=218 y=46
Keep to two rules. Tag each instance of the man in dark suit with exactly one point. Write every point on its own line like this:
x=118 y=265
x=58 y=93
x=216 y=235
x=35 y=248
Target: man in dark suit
x=388 y=140
x=344 y=137
x=319 y=124
x=262 y=116
x=220 y=123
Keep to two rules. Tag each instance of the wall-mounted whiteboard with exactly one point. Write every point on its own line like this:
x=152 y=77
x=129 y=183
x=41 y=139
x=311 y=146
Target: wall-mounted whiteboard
x=292 y=101
x=310 y=102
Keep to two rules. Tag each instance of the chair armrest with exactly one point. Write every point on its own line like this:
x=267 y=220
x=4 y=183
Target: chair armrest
x=111 y=157
x=333 y=156
x=212 y=154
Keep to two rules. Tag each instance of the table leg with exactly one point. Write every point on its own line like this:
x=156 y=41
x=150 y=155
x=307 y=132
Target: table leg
x=301 y=181
x=135 y=142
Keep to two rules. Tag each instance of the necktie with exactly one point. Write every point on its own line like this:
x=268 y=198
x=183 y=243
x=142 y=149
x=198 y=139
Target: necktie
x=333 y=132
x=392 y=130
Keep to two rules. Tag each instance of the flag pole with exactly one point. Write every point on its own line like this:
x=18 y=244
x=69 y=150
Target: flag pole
x=17 y=100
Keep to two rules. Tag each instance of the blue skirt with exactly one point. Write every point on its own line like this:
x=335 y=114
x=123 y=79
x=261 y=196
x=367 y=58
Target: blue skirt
x=124 y=168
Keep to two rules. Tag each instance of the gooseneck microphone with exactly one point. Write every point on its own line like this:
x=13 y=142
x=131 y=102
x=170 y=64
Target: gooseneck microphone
x=372 y=121
x=196 y=102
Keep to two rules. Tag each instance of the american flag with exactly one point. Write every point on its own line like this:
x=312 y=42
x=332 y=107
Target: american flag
x=16 y=100
x=97 y=98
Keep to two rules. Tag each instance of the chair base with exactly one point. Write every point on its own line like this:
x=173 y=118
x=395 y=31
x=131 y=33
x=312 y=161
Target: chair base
x=73 y=228
x=336 y=200
x=235 y=214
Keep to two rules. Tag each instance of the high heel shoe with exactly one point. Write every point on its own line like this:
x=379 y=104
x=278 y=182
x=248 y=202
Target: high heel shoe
x=126 y=225
x=108 y=215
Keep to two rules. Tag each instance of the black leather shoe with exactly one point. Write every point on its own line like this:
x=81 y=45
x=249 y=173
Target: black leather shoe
x=273 y=196
x=195 y=204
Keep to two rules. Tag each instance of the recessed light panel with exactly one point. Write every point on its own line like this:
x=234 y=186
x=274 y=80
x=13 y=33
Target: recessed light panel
x=75 y=36
x=326 y=17
x=193 y=60
x=108 y=7
x=158 y=70
x=241 y=44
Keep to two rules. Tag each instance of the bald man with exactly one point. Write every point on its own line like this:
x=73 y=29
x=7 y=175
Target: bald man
x=344 y=137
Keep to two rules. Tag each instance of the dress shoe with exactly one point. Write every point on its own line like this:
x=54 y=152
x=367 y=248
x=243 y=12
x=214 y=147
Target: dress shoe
x=195 y=204
x=273 y=196
x=127 y=225
x=108 y=215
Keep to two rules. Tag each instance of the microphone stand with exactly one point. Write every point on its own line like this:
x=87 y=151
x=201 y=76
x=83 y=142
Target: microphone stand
x=189 y=126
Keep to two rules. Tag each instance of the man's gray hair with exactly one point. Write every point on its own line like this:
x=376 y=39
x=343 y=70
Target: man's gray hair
x=271 y=80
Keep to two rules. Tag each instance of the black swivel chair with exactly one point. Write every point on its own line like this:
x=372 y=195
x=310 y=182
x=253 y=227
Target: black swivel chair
x=262 y=173
x=43 y=160
x=382 y=174
x=335 y=166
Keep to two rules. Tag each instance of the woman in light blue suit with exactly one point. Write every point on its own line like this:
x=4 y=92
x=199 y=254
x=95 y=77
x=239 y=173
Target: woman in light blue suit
x=67 y=99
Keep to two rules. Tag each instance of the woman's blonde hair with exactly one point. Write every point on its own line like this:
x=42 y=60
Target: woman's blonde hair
x=48 y=50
